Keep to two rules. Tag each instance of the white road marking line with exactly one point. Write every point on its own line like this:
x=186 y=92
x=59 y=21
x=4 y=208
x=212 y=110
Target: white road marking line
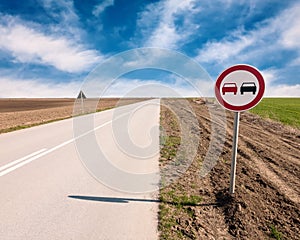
x=34 y=158
x=21 y=159
x=26 y=161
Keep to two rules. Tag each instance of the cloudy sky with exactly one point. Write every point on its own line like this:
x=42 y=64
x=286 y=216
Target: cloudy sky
x=48 y=47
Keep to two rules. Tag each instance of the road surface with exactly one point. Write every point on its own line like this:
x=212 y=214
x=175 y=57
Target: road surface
x=47 y=192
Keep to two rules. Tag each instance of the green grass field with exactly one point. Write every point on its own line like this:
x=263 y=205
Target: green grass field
x=285 y=110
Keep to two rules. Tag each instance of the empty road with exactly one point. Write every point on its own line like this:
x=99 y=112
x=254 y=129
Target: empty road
x=47 y=187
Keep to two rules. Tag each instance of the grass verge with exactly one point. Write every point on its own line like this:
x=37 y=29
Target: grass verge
x=177 y=203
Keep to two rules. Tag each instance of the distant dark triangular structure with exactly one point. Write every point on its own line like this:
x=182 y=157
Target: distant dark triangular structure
x=81 y=95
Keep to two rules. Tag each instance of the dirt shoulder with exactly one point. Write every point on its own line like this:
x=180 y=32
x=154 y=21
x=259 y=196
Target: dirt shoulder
x=266 y=204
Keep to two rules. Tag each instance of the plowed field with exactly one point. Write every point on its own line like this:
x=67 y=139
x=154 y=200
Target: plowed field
x=266 y=203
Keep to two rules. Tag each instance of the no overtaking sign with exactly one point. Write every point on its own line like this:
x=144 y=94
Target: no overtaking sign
x=239 y=88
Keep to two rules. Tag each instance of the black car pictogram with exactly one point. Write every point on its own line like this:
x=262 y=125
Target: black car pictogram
x=248 y=87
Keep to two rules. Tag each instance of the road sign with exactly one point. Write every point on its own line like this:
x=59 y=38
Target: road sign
x=240 y=88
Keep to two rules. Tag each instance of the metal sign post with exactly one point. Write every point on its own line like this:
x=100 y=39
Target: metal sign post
x=81 y=99
x=234 y=151
x=237 y=89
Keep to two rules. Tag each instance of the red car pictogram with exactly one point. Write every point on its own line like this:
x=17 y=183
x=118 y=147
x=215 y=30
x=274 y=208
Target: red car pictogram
x=229 y=87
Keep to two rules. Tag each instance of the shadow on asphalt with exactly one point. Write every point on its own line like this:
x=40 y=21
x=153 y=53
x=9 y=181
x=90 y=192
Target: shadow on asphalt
x=111 y=199
x=127 y=200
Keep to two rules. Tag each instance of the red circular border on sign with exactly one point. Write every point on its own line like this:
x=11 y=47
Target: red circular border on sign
x=254 y=102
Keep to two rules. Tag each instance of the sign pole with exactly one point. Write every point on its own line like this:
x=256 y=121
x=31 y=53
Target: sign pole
x=81 y=98
x=234 y=151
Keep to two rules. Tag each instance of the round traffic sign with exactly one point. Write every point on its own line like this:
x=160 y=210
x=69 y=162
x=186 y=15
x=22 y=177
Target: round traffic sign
x=240 y=88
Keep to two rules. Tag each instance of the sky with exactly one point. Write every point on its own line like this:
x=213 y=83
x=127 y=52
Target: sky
x=48 y=48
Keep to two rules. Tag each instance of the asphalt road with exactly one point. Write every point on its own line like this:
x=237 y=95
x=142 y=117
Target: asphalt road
x=46 y=191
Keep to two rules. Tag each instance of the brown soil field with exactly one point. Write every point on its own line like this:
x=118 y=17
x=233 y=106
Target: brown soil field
x=18 y=113
x=266 y=204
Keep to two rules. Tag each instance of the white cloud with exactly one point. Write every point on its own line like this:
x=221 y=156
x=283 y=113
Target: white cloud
x=43 y=88
x=124 y=87
x=222 y=51
x=278 y=33
x=268 y=40
x=283 y=90
x=290 y=22
x=67 y=22
x=237 y=47
x=17 y=88
x=166 y=34
x=98 y=9
x=278 y=90
x=63 y=11
x=27 y=44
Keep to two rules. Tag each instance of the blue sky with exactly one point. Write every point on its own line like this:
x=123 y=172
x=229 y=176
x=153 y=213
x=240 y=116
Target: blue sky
x=48 y=47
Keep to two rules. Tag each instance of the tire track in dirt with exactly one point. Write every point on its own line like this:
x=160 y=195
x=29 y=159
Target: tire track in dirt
x=271 y=175
x=288 y=157
x=273 y=158
x=284 y=172
x=264 y=167
x=286 y=166
x=267 y=184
